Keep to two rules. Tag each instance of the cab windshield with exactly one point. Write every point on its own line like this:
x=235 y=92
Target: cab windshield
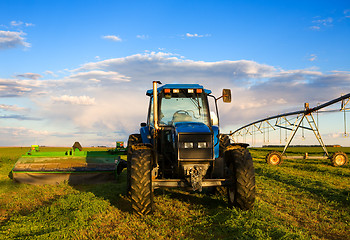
x=183 y=107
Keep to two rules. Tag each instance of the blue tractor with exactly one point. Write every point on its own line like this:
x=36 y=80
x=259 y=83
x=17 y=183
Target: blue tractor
x=181 y=146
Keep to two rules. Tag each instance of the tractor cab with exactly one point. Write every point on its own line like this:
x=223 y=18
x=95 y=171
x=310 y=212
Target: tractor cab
x=180 y=129
x=180 y=103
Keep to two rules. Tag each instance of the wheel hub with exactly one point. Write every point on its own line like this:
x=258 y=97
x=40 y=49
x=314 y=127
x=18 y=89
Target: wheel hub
x=274 y=159
x=340 y=160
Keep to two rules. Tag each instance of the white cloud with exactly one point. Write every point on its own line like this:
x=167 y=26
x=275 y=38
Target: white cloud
x=99 y=76
x=76 y=100
x=9 y=39
x=252 y=83
x=170 y=67
x=12 y=108
x=51 y=73
x=142 y=36
x=112 y=38
x=315 y=28
x=14 y=88
x=324 y=22
x=33 y=76
x=336 y=71
x=22 y=131
x=16 y=23
x=312 y=57
x=25 y=136
x=29 y=24
x=106 y=99
x=319 y=23
x=20 y=23
x=195 y=35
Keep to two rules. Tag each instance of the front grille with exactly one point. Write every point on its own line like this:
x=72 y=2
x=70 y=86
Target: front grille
x=195 y=152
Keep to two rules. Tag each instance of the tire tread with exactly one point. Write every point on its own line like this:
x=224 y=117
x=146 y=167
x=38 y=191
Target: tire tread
x=140 y=180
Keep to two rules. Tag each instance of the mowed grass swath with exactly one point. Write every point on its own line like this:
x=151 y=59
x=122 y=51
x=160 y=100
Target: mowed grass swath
x=299 y=199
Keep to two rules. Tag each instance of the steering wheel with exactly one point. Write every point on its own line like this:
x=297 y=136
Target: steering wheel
x=179 y=113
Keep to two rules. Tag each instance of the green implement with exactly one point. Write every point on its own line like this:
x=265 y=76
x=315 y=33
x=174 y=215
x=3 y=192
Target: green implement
x=74 y=166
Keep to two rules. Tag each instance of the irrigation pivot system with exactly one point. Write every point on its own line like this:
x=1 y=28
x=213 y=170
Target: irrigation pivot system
x=282 y=121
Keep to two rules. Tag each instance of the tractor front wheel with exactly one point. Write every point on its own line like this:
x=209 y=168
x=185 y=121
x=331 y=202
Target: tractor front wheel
x=141 y=182
x=133 y=139
x=240 y=170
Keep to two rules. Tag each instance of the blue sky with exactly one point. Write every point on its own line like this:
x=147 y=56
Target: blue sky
x=78 y=70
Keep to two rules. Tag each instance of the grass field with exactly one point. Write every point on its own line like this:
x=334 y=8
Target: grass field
x=300 y=199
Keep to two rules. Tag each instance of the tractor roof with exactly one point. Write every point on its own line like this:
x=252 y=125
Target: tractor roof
x=178 y=86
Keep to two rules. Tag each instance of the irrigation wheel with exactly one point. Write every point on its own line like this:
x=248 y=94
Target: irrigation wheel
x=241 y=193
x=339 y=159
x=141 y=181
x=274 y=158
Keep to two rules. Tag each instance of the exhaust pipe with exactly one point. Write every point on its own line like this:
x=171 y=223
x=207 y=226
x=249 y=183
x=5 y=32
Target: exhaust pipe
x=155 y=104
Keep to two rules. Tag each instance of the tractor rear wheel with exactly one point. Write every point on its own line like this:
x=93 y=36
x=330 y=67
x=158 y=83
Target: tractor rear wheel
x=274 y=158
x=239 y=162
x=339 y=159
x=133 y=139
x=141 y=182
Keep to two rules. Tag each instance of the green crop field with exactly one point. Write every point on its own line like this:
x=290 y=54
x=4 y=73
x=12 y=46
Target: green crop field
x=300 y=199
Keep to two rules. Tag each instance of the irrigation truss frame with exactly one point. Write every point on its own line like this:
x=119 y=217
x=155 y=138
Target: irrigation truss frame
x=282 y=122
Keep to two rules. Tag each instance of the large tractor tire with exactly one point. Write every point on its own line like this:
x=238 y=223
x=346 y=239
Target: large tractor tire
x=239 y=162
x=339 y=159
x=133 y=139
x=141 y=182
x=274 y=158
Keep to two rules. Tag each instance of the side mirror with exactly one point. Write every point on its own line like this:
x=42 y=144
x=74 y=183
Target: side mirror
x=226 y=95
x=143 y=124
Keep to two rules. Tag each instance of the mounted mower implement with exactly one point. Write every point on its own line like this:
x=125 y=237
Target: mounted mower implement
x=74 y=166
x=181 y=146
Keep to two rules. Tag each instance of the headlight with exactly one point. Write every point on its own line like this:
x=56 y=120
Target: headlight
x=188 y=144
x=202 y=145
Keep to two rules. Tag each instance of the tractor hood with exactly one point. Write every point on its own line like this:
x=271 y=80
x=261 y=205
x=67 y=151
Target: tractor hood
x=191 y=127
